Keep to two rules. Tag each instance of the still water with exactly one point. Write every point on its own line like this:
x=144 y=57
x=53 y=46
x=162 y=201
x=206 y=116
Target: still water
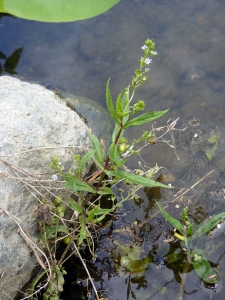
x=187 y=77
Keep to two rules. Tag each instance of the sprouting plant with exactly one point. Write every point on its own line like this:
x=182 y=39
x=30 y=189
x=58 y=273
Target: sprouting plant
x=186 y=233
x=85 y=210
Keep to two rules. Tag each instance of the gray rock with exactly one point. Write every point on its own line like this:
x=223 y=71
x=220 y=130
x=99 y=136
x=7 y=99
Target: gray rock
x=97 y=118
x=31 y=117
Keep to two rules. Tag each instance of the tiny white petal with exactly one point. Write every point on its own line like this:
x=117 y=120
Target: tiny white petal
x=147 y=69
x=144 y=47
x=177 y=206
x=54 y=177
x=148 y=61
x=218 y=225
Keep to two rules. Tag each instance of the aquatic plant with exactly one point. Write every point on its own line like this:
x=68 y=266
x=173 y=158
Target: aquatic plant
x=185 y=231
x=74 y=222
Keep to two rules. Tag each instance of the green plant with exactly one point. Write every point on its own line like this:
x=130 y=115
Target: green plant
x=187 y=233
x=86 y=209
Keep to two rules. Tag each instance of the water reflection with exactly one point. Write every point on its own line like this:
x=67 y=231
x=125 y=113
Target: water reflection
x=10 y=62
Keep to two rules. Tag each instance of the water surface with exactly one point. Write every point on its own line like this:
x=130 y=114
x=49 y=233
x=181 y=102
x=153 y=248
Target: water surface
x=187 y=77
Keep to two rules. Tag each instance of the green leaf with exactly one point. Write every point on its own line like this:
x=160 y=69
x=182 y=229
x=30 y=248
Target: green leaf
x=115 y=132
x=56 y=10
x=71 y=184
x=105 y=191
x=203 y=268
x=51 y=232
x=114 y=153
x=34 y=282
x=190 y=230
x=83 y=234
x=76 y=185
x=99 y=219
x=84 y=160
x=210 y=224
x=125 y=99
x=125 y=104
x=75 y=206
x=98 y=162
x=211 y=150
x=136 y=179
x=97 y=147
x=119 y=109
x=84 y=186
x=110 y=104
x=170 y=219
x=91 y=215
x=102 y=211
x=145 y=118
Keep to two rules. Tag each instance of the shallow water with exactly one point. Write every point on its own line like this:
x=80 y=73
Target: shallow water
x=187 y=77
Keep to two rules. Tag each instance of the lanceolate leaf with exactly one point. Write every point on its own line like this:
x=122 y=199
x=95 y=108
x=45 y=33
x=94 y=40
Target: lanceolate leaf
x=110 y=104
x=170 y=219
x=83 y=234
x=71 y=184
x=97 y=147
x=210 y=224
x=114 y=153
x=85 y=159
x=125 y=98
x=105 y=191
x=75 y=206
x=136 y=179
x=84 y=186
x=145 y=118
x=119 y=109
x=77 y=185
x=125 y=104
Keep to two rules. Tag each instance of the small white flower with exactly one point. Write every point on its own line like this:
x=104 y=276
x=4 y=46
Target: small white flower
x=153 y=53
x=54 y=177
x=169 y=185
x=148 y=61
x=177 y=206
x=147 y=69
x=218 y=226
x=144 y=47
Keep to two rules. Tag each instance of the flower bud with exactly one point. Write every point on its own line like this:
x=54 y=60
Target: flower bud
x=123 y=147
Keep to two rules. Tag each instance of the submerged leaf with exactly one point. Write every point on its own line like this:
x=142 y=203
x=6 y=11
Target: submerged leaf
x=210 y=151
x=202 y=268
